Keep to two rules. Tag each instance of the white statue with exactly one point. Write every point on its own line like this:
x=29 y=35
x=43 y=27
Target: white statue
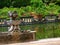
x=14 y=24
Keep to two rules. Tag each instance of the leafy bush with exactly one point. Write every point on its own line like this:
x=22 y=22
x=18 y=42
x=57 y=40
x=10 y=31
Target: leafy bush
x=37 y=6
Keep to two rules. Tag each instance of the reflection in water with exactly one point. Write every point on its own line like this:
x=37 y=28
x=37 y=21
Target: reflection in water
x=48 y=30
x=36 y=28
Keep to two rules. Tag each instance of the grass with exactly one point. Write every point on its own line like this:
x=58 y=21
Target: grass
x=49 y=30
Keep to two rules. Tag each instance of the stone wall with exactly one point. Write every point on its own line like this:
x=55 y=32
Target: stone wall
x=14 y=39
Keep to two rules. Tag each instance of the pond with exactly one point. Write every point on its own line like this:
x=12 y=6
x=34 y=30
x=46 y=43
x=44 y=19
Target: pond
x=46 y=30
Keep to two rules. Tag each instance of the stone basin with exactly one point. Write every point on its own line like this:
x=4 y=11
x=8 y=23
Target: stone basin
x=22 y=37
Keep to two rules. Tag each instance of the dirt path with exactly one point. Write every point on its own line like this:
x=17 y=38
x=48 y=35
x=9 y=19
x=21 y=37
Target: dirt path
x=52 y=41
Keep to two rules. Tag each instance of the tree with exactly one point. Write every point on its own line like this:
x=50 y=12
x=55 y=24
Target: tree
x=47 y=2
x=14 y=3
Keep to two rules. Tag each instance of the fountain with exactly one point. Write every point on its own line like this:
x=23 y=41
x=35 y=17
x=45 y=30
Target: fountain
x=14 y=33
x=14 y=24
x=14 y=29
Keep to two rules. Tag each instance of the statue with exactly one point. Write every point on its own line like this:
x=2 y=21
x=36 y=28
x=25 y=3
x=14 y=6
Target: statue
x=14 y=30
x=14 y=24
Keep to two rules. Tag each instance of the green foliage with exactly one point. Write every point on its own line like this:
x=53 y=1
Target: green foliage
x=37 y=6
x=52 y=8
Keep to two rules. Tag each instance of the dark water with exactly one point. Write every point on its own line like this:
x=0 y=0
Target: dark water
x=48 y=30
